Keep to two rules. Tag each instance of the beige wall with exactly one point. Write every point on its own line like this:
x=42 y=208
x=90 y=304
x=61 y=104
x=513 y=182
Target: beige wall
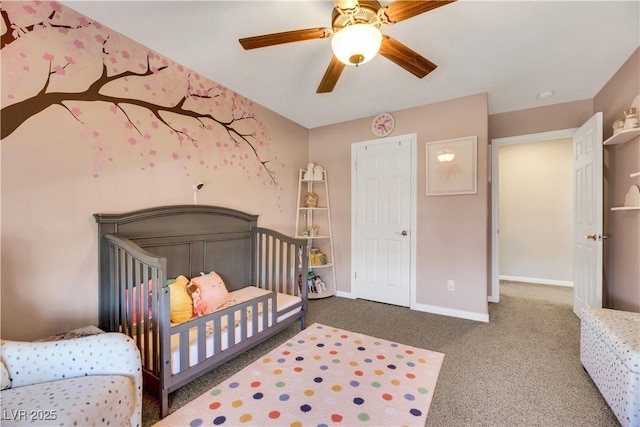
x=59 y=168
x=452 y=234
x=622 y=249
x=55 y=175
x=567 y=115
x=536 y=211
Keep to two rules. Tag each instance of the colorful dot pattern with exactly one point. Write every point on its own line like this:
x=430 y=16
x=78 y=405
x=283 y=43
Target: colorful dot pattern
x=90 y=380
x=323 y=376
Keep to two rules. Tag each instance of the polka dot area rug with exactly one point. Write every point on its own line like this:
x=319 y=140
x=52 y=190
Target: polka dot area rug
x=323 y=376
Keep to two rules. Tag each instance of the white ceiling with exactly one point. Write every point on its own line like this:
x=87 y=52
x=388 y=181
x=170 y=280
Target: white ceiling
x=512 y=50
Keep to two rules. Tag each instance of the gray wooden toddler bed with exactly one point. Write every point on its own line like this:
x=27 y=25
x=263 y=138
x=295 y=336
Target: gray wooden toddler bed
x=146 y=260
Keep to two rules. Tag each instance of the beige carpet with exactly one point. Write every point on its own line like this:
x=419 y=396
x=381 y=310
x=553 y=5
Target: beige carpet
x=520 y=369
x=323 y=376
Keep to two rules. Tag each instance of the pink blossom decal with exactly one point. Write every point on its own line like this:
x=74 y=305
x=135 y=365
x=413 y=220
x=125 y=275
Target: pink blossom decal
x=145 y=99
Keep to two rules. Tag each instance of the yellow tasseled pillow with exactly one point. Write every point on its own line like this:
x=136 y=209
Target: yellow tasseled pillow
x=181 y=302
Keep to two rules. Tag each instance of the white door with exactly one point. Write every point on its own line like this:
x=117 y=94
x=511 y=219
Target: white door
x=587 y=228
x=383 y=221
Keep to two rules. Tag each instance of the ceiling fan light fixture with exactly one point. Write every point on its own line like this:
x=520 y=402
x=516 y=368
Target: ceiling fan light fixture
x=446 y=156
x=356 y=44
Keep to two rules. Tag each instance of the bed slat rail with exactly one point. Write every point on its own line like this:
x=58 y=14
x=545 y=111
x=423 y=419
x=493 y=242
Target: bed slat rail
x=280 y=262
x=136 y=289
x=240 y=324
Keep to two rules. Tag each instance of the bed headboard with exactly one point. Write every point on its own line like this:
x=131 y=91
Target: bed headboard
x=192 y=238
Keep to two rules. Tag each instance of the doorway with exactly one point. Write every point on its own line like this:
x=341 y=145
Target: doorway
x=524 y=241
x=383 y=222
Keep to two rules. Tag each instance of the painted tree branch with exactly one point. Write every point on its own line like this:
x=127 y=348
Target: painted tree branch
x=8 y=37
x=14 y=115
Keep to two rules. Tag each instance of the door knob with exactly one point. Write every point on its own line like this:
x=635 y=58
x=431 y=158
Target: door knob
x=404 y=232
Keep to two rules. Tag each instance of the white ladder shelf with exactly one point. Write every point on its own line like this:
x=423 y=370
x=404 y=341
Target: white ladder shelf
x=313 y=223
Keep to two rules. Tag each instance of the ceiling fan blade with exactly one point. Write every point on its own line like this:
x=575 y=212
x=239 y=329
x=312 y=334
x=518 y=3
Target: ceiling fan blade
x=408 y=59
x=331 y=76
x=400 y=10
x=285 y=37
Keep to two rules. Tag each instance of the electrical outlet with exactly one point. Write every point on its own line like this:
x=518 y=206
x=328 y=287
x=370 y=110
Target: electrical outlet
x=451 y=285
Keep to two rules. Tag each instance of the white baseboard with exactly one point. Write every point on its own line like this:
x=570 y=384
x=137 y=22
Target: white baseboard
x=345 y=295
x=480 y=317
x=552 y=282
x=451 y=312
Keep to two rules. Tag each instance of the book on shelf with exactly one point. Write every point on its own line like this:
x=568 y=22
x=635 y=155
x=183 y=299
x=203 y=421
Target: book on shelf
x=315 y=284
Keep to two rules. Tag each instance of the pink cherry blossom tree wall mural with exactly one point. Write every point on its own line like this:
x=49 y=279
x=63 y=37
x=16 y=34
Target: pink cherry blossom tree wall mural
x=120 y=92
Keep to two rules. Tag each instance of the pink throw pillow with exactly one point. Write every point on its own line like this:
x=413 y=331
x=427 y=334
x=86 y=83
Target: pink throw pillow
x=212 y=290
x=138 y=303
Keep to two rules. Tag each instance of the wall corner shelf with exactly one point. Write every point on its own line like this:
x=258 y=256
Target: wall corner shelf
x=623 y=136
x=313 y=223
x=626 y=208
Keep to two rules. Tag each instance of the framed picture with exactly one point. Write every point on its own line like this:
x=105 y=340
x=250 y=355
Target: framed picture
x=452 y=166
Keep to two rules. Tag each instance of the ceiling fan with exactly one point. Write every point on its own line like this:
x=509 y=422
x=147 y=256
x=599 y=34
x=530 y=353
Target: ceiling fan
x=359 y=20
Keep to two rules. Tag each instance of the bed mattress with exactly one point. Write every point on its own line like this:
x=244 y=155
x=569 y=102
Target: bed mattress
x=283 y=301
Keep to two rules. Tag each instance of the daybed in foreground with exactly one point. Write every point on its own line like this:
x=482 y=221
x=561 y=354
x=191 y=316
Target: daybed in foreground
x=143 y=252
x=86 y=381
x=610 y=353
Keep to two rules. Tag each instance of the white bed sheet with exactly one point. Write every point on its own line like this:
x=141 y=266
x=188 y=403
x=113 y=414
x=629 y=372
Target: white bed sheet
x=283 y=301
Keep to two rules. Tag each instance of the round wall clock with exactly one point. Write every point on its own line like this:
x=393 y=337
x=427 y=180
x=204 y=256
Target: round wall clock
x=383 y=124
